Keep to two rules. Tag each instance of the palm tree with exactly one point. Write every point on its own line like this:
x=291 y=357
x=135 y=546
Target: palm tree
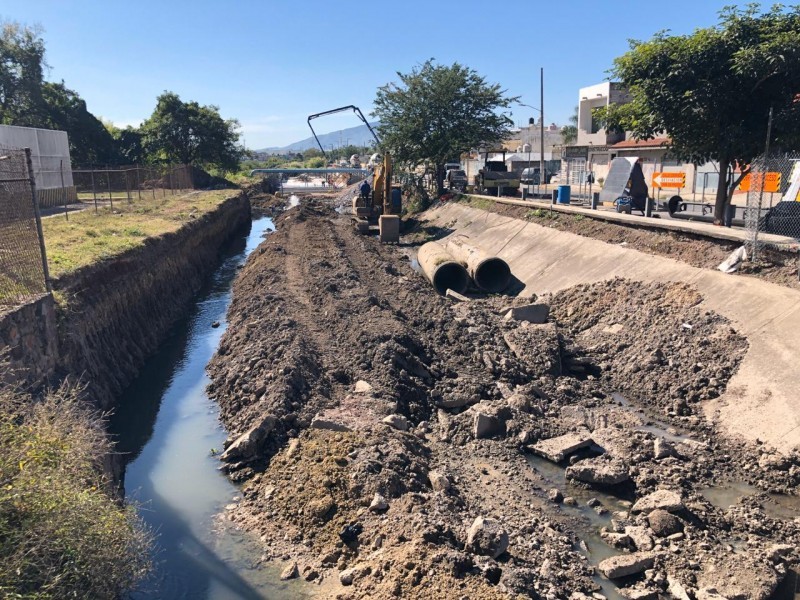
x=570 y=132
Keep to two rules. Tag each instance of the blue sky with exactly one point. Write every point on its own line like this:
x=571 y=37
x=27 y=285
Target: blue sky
x=272 y=63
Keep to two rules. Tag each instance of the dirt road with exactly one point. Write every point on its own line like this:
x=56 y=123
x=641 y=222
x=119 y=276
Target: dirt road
x=386 y=436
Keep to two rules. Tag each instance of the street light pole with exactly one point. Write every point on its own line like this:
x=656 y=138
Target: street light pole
x=542 y=177
x=530 y=145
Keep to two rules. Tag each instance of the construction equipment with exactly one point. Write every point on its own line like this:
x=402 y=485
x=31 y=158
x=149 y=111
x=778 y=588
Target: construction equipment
x=383 y=205
x=494 y=178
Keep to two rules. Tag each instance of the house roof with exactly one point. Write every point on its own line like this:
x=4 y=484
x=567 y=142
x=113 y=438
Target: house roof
x=654 y=143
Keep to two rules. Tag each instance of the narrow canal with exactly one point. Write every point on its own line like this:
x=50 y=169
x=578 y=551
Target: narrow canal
x=168 y=430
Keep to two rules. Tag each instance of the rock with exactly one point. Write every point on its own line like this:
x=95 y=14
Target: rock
x=555 y=495
x=455 y=296
x=662 y=449
x=664 y=499
x=215 y=324
x=292 y=447
x=599 y=471
x=439 y=481
x=347 y=576
x=625 y=564
x=532 y=313
x=290 y=572
x=641 y=539
x=350 y=533
x=519 y=402
x=486 y=537
x=558 y=448
x=362 y=387
x=377 y=543
x=676 y=589
x=737 y=577
x=484 y=426
x=639 y=594
x=378 y=504
x=664 y=523
x=454 y=401
x=247 y=445
x=399 y=422
x=570 y=501
x=320 y=423
x=321 y=508
x=618 y=540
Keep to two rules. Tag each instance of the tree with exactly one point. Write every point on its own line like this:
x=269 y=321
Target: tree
x=89 y=140
x=21 y=75
x=437 y=112
x=711 y=91
x=189 y=133
x=570 y=132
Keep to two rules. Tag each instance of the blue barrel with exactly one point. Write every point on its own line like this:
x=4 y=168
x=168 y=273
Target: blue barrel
x=563 y=194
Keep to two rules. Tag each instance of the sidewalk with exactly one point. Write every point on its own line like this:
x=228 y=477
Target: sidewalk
x=708 y=230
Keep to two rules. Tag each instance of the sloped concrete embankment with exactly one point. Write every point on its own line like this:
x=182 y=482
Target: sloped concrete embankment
x=117 y=312
x=760 y=400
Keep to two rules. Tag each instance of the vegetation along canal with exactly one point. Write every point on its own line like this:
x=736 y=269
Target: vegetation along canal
x=168 y=430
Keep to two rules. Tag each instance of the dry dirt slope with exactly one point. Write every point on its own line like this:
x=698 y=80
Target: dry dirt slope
x=332 y=334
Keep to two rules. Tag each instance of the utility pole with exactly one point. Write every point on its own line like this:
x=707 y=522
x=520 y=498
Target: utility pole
x=542 y=177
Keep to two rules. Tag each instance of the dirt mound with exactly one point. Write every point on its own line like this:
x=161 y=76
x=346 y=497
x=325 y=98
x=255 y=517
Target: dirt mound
x=383 y=432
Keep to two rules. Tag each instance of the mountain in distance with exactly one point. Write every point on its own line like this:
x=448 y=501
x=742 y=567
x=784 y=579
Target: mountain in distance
x=355 y=136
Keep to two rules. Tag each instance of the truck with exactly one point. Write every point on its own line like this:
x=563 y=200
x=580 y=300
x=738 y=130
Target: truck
x=495 y=179
x=456 y=179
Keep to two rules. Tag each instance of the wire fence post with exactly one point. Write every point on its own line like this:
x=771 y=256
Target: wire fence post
x=94 y=189
x=38 y=216
x=108 y=184
x=63 y=190
x=127 y=187
x=138 y=186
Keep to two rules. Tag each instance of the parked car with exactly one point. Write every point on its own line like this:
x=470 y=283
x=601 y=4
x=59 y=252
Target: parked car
x=456 y=179
x=530 y=176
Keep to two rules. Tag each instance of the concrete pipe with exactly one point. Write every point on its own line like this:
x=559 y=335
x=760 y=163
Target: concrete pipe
x=490 y=273
x=441 y=269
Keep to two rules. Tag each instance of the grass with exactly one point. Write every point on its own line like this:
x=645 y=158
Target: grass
x=482 y=203
x=62 y=534
x=89 y=236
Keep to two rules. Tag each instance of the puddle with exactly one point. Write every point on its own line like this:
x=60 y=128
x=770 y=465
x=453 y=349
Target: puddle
x=589 y=523
x=654 y=427
x=726 y=495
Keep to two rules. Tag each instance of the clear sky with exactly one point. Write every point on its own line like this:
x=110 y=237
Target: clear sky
x=272 y=63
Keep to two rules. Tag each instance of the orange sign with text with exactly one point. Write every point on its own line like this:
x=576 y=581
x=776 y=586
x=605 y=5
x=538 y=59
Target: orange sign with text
x=764 y=182
x=669 y=180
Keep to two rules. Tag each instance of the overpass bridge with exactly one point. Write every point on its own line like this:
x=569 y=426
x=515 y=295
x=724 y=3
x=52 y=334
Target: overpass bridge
x=310 y=171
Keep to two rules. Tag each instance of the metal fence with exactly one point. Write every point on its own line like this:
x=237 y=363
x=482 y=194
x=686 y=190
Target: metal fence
x=104 y=186
x=773 y=202
x=23 y=267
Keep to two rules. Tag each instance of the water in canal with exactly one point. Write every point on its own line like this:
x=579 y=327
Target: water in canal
x=166 y=427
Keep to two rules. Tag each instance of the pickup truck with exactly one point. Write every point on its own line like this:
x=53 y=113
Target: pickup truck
x=456 y=179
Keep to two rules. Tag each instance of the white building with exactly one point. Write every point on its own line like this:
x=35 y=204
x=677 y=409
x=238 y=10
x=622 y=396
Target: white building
x=50 y=158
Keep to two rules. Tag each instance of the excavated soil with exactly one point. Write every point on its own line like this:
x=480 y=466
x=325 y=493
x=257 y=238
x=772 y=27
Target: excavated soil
x=373 y=421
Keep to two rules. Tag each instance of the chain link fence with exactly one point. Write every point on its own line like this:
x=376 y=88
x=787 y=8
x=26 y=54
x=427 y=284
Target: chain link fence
x=773 y=202
x=23 y=268
x=104 y=186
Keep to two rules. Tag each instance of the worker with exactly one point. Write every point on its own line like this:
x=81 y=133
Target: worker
x=365 y=190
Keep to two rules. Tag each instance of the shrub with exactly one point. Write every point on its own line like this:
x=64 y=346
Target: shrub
x=62 y=534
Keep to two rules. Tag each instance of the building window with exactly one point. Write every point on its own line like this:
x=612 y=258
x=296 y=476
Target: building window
x=596 y=126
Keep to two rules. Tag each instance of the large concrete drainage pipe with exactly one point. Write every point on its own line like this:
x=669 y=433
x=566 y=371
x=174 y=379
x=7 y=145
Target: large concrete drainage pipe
x=490 y=273
x=441 y=269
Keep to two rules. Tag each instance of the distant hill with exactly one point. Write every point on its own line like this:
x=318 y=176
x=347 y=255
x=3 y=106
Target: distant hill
x=356 y=136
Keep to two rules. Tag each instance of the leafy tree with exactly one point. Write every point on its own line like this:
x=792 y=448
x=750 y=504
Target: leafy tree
x=89 y=140
x=21 y=75
x=570 y=132
x=437 y=112
x=189 y=133
x=711 y=91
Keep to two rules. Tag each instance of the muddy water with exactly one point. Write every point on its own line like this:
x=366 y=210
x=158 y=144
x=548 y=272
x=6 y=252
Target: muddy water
x=588 y=522
x=168 y=429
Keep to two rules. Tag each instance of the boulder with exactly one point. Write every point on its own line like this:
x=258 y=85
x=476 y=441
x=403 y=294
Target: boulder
x=439 y=481
x=532 y=313
x=290 y=572
x=362 y=387
x=399 y=422
x=558 y=448
x=626 y=564
x=486 y=537
x=662 y=449
x=485 y=426
x=599 y=471
x=378 y=504
x=554 y=495
x=247 y=445
x=664 y=523
x=640 y=537
x=737 y=577
x=664 y=499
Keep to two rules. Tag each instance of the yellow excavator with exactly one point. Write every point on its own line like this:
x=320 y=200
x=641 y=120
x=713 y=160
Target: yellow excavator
x=383 y=205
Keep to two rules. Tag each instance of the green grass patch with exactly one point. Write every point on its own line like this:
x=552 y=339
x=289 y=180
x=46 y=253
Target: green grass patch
x=481 y=203
x=62 y=535
x=89 y=236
